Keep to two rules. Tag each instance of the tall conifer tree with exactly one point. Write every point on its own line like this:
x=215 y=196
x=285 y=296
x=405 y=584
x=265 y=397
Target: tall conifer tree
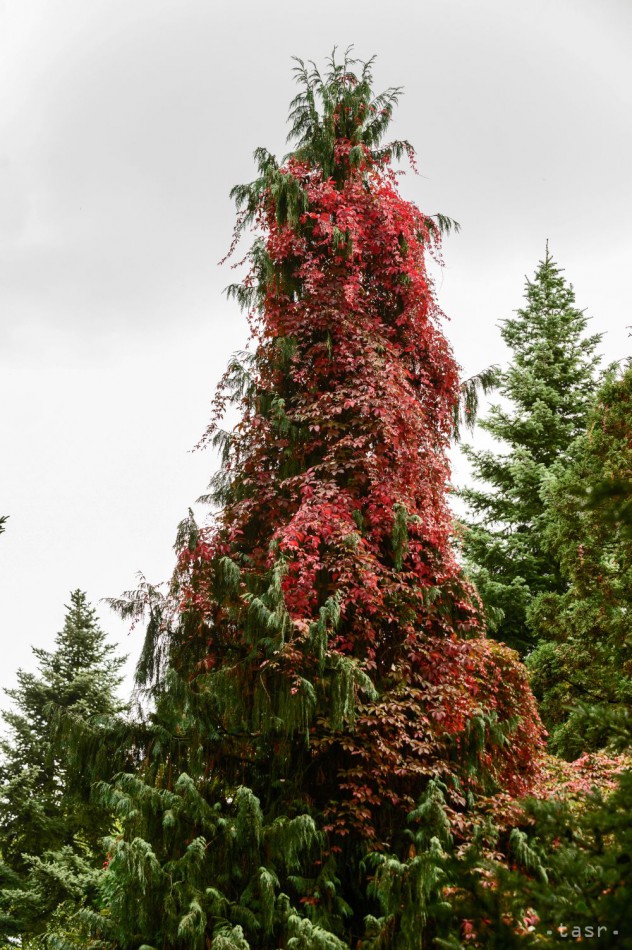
x=582 y=667
x=317 y=666
x=46 y=816
x=549 y=388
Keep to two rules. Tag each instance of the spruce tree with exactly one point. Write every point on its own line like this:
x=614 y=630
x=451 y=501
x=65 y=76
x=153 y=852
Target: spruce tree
x=49 y=830
x=582 y=666
x=549 y=388
x=317 y=669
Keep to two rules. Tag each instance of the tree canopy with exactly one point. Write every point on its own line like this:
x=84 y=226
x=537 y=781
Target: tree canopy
x=582 y=666
x=547 y=393
x=50 y=830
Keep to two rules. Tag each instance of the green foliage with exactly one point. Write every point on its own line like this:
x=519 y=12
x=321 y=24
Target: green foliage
x=214 y=867
x=147 y=602
x=328 y=108
x=561 y=875
x=577 y=867
x=49 y=829
x=304 y=935
x=549 y=387
x=407 y=891
x=400 y=536
x=466 y=410
x=583 y=662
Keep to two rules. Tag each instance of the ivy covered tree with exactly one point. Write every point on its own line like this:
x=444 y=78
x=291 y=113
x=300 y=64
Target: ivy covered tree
x=50 y=830
x=317 y=668
x=548 y=390
x=582 y=666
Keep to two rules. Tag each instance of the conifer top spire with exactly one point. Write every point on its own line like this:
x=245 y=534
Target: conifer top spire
x=550 y=384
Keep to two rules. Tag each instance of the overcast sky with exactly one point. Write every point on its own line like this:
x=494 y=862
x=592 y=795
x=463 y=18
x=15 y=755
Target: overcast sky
x=123 y=126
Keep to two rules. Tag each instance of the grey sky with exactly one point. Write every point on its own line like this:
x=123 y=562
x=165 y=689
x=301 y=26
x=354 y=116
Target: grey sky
x=123 y=126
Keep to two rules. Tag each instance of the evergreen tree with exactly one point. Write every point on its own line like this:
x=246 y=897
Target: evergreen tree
x=550 y=385
x=49 y=829
x=584 y=658
x=317 y=667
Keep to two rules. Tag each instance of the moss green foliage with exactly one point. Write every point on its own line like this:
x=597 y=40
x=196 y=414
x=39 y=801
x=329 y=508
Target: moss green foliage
x=50 y=831
x=192 y=862
x=582 y=666
x=548 y=390
x=410 y=892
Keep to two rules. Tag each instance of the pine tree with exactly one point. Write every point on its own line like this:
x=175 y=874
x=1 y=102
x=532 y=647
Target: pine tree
x=549 y=385
x=318 y=661
x=582 y=667
x=49 y=829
